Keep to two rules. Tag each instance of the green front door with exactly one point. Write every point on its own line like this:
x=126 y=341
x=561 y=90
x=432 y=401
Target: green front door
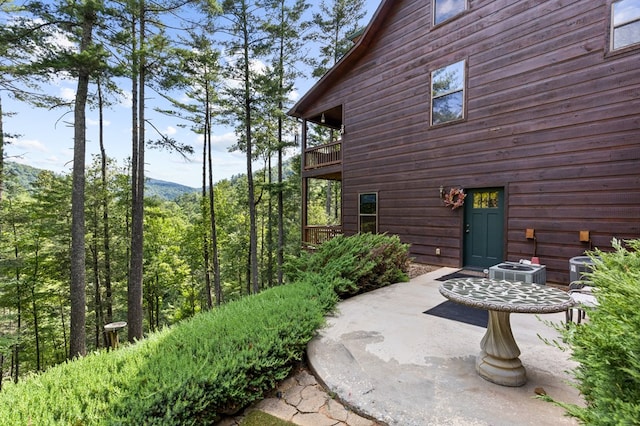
x=483 y=227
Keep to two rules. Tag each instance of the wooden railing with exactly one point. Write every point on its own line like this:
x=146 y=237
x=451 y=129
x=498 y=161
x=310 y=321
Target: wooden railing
x=323 y=155
x=316 y=235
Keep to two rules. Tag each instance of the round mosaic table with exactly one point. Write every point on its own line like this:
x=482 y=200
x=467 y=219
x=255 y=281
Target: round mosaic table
x=498 y=360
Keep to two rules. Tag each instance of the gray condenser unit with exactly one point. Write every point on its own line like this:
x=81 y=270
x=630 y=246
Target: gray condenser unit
x=512 y=271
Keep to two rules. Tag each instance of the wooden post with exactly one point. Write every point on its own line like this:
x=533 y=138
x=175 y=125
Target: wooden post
x=305 y=189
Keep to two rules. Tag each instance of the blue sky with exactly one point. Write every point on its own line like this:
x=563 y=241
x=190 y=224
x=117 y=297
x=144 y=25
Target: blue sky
x=46 y=137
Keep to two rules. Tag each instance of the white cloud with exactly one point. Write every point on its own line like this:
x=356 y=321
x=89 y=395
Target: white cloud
x=55 y=163
x=125 y=99
x=256 y=66
x=224 y=141
x=30 y=145
x=221 y=142
x=91 y=122
x=170 y=130
x=67 y=94
x=63 y=77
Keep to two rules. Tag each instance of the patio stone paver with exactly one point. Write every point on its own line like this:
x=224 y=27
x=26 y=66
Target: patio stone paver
x=300 y=399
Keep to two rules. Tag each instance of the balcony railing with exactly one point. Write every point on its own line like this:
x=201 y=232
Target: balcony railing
x=316 y=235
x=323 y=155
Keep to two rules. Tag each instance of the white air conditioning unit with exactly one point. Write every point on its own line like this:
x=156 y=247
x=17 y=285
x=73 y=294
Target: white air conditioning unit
x=512 y=271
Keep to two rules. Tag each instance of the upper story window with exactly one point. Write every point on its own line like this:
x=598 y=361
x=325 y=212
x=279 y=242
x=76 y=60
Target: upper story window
x=447 y=93
x=625 y=23
x=443 y=10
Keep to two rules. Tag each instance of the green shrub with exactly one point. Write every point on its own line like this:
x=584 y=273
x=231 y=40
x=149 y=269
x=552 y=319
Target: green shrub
x=607 y=346
x=213 y=364
x=361 y=262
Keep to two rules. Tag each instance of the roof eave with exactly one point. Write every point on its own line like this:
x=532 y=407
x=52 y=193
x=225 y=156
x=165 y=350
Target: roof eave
x=336 y=72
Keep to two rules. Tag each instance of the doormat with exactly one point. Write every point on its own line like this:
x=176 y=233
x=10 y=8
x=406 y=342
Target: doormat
x=457 y=312
x=458 y=274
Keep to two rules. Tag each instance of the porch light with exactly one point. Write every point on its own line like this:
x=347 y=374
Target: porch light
x=322 y=118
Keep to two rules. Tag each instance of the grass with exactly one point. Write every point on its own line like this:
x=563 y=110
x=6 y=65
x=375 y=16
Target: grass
x=260 y=418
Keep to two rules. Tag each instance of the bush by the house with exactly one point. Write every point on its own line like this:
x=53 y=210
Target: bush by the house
x=607 y=346
x=363 y=262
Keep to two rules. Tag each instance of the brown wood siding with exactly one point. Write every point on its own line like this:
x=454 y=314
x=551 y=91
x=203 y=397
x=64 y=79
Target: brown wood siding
x=551 y=117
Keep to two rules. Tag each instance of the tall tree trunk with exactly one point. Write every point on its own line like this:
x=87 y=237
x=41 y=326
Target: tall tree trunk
x=270 y=224
x=97 y=298
x=248 y=273
x=157 y=298
x=78 y=279
x=150 y=309
x=1 y=163
x=63 y=327
x=1 y=191
x=135 y=311
x=328 y=201
x=106 y=232
x=205 y=239
x=34 y=306
x=15 y=354
x=280 y=197
x=281 y=77
x=253 y=233
x=214 y=233
x=78 y=297
x=36 y=327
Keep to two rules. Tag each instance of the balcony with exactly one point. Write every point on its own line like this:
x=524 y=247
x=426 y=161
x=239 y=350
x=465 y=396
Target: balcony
x=322 y=156
x=316 y=235
x=322 y=167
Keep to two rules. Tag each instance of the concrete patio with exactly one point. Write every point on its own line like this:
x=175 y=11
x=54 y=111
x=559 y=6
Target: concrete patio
x=381 y=355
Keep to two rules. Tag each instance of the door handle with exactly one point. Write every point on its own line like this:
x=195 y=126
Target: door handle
x=467 y=228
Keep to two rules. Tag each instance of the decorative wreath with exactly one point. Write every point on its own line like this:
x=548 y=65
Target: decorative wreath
x=455 y=198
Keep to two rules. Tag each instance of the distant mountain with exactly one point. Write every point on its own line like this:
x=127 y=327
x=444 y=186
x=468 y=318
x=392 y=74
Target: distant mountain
x=166 y=190
x=21 y=175
x=24 y=176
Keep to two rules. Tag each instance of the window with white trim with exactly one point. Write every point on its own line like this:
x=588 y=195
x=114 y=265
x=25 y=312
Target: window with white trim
x=447 y=93
x=368 y=212
x=443 y=10
x=625 y=23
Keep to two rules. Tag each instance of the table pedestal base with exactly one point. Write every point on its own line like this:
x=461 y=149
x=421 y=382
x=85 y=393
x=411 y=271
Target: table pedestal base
x=498 y=360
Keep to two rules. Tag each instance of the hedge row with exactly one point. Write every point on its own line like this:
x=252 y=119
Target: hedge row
x=193 y=373
x=362 y=262
x=211 y=365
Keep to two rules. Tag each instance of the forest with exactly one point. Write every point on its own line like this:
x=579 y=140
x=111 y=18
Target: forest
x=81 y=250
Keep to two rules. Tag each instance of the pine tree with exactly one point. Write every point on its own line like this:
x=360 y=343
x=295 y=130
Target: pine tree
x=245 y=46
x=196 y=72
x=76 y=22
x=334 y=23
x=287 y=32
